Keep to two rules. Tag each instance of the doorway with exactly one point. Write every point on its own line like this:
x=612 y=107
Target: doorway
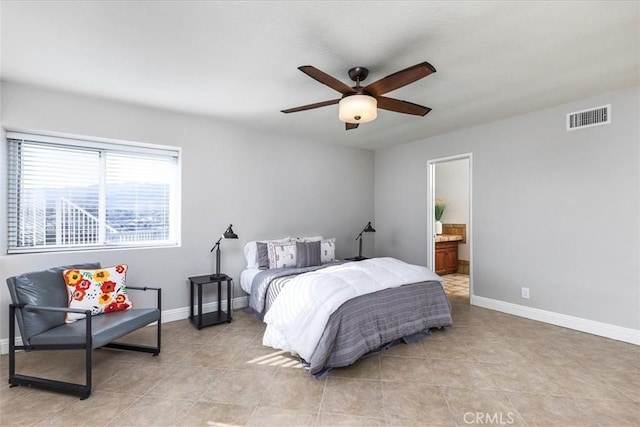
x=449 y=252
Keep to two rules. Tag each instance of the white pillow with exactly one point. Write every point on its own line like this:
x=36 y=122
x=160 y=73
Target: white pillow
x=251 y=254
x=282 y=254
x=311 y=239
x=328 y=250
x=251 y=250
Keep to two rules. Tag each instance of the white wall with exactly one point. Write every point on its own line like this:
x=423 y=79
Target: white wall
x=452 y=185
x=554 y=211
x=268 y=186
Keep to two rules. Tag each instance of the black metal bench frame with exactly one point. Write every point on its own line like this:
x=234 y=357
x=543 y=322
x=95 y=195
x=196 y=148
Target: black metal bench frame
x=81 y=390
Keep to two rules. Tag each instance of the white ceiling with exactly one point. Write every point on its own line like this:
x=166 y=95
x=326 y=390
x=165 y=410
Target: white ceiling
x=237 y=61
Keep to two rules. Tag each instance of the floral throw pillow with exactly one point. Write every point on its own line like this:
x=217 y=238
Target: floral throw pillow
x=100 y=290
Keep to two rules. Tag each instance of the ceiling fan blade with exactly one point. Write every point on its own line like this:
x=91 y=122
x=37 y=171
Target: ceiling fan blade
x=326 y=79
x=399 y=106
x=401 y=78
x=311 y=106
x=348 y=126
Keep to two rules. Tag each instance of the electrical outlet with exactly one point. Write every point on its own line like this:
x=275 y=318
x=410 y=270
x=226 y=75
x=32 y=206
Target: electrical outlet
x=525 y=293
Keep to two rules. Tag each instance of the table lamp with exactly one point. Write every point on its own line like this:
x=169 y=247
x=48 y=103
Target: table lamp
x=367 y=229
x=228 y=234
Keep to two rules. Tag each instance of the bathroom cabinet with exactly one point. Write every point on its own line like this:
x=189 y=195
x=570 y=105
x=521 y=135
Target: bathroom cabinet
x=446 y=257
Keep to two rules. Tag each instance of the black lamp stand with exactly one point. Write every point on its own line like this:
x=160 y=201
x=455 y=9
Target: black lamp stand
x=217 y=274
x=228 y=234
x=367 y=229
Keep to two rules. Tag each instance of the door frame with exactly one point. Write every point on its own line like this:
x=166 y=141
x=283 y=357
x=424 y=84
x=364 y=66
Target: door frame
x=431 y=198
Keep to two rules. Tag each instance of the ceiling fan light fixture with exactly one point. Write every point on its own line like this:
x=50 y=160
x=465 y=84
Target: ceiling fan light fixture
x=358 y=109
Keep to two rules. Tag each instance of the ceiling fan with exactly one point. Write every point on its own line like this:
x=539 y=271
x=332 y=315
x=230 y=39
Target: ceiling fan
x=359 y=104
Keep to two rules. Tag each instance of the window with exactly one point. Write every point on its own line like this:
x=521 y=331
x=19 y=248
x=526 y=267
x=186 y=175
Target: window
x=83 y=194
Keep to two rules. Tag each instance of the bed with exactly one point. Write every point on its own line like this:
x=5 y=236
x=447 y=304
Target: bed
x=331 y=313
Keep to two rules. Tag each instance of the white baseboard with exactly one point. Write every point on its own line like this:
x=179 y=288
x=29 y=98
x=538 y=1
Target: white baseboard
x=183 y=312
x=579 y=324
x=167 y=316
x=584 y=325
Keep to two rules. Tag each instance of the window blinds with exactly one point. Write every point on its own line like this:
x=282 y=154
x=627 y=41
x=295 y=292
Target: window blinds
x=75 y=194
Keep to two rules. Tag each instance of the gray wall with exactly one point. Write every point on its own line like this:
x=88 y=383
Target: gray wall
x=268 y=186
x=554 y=211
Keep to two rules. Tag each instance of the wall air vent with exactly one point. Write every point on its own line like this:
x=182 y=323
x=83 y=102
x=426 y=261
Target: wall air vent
x=592 y=117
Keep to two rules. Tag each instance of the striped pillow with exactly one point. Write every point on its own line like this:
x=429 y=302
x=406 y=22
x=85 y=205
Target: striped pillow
x=308 y=254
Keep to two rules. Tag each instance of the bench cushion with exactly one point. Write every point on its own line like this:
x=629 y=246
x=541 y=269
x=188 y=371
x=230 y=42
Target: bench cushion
x=41 y=288
x=105 y=328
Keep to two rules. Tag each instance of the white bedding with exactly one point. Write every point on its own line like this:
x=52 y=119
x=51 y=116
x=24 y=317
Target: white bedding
x=246 y=278
x=297 y=318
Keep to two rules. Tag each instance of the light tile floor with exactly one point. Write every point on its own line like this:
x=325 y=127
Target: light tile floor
x=456 y=284
x=489 y=368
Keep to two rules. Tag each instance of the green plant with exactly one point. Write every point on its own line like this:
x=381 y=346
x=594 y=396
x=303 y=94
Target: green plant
x=440 y=205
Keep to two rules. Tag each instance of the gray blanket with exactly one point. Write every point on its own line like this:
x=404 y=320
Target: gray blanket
x=369 y=322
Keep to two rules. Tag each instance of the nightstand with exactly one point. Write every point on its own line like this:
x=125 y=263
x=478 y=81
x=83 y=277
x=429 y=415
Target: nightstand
x=212 y=318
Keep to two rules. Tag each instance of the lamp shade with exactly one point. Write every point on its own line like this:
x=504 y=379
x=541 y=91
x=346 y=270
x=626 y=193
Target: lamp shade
x=358 y=109
x=369 y=228
x=229 y=234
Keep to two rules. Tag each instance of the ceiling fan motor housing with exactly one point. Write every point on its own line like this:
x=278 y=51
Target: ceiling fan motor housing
x=358 y=74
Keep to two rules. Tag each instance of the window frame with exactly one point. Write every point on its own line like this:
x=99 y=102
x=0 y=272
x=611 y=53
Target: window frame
x=102 y=145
